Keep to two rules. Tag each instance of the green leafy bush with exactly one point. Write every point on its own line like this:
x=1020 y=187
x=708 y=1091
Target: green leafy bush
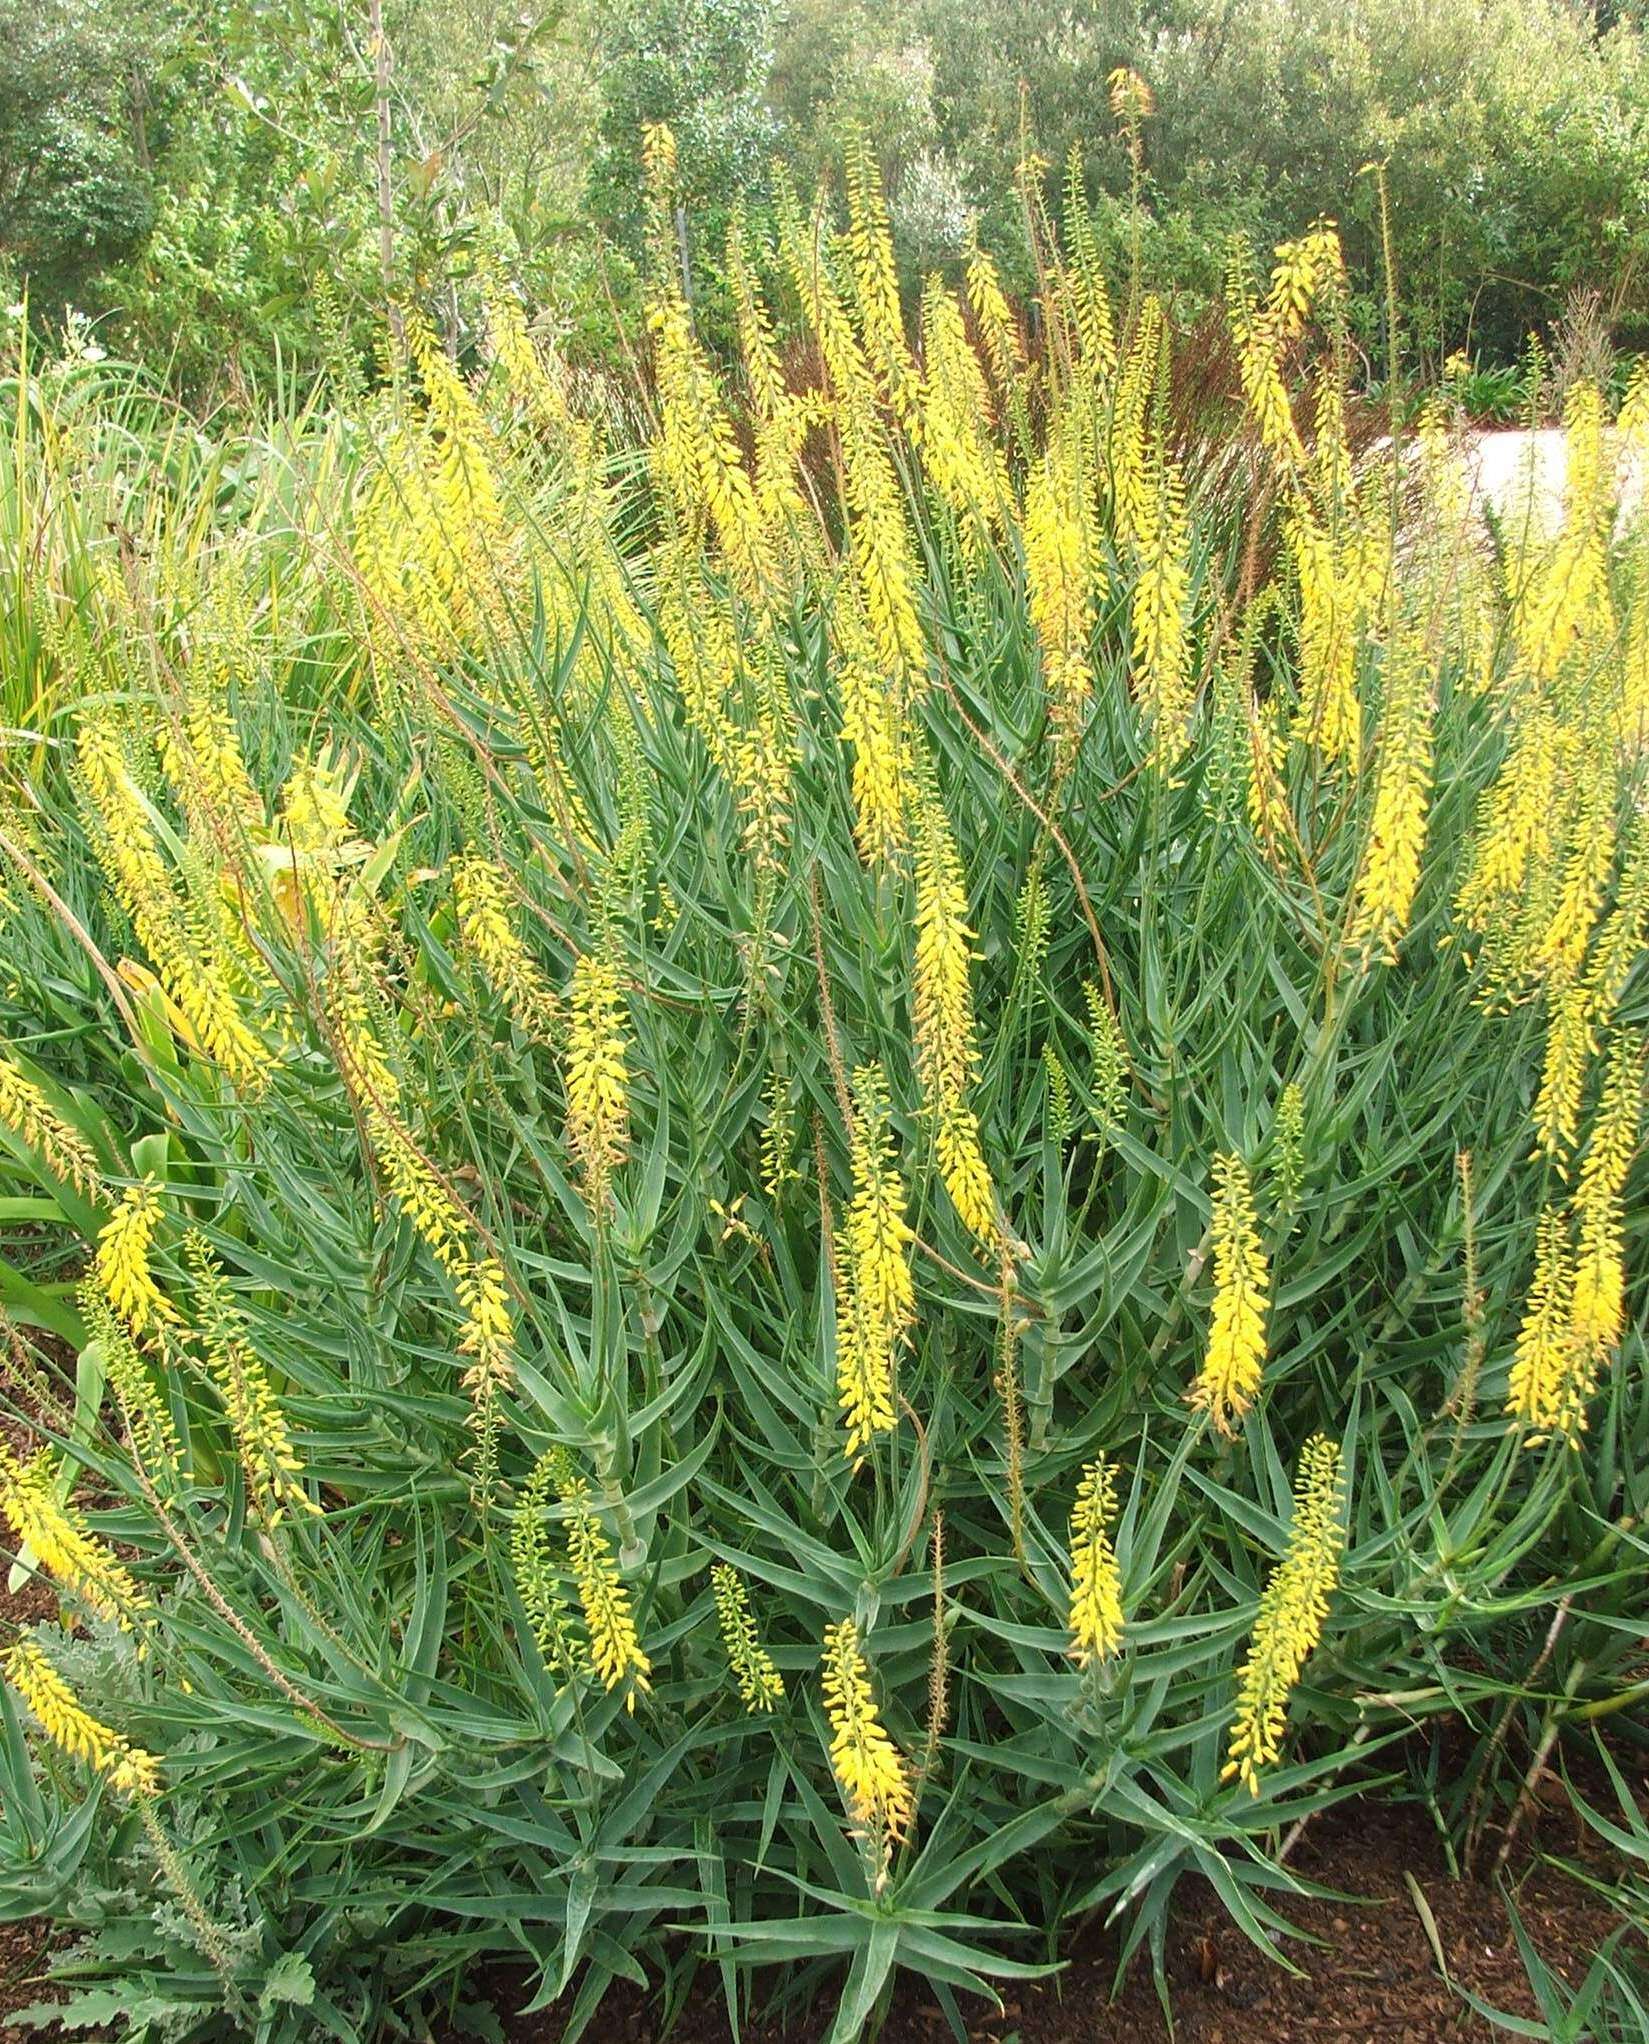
x=777 y=1206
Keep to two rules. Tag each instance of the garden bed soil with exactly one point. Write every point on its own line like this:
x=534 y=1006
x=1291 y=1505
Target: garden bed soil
x=1369 y=1972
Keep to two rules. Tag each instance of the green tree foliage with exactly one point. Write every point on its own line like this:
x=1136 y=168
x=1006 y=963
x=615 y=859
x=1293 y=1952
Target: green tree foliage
x=702 y=66
x=1516 y=132
x=74 y=189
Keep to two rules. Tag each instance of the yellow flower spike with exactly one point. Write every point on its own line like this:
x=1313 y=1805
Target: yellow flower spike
x=596 y=1072
x=1233 y=1369
x=958 y=453
x=262 y=1438
x=481 y=894
x=1552 y=1376
x=1158 y=615
x=30 y=1116
x=1330 y=716
x=1389 y=876
x=141 y=1400
x=999 y=331
x=63 y=1544
x=1582 y=882
x=188 y=951
x=122 y=1260
x=1599 y=1299
x=947 y=1050
x=872 y=1772
x=1064 y=579
x=1290 y=1622
x=1096 y=1619
x=757 y=1680
x=128 y=1769
x=875 y=1294
x=876 y=282
x=1132 y=479
x=1091 y=300
x=1571 y=1038
x=533 y=1564
x=698 y=453
x=487 y=1344
x=1258 y=368
x=615 y=1651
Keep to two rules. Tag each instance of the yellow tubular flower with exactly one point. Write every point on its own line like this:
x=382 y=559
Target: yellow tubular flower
x=262 y=1440
x=537 y=1575
x=763 y=760
x=880 y=547
x=698 y=453
x=1063 y=581
x=961 y=459
x=597 y=1076
x=872 y=725
x=123 y=1259
x=1290 y=1621
x=876 y=282
x=1258 y=347
x=1583 y=881
x=1132 y=483
x=874 y=1778
x=1389 y=874
x=1571 y=1037
x=1552 y=1375
x=480 y=889
x=700 y=635
x=1158 y=618
x=1096 y=1580
x=1600 y=1268
x=460 y=543
x=759 y=1683
x=875 y=1295
x=1513 y=826
x=615 y=1651
x=997 y=328
x=30 y=1116
x=947 y=1051
x=1266 y=758
x=1231 y=1373
x=1094 y=325
x=201 y=754
x=487 y=1343
x=882 y=552
x=62 y=1543
x=128 y=1769
x=418 y=1189
x=188 y=958
x=142 y=1404
x=1330 y=714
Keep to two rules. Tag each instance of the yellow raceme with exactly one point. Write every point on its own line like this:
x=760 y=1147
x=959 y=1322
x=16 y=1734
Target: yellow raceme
x=1234 y=1364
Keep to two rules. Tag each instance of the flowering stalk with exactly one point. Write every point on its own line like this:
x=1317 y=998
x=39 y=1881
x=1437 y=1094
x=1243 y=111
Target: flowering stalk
x=1231 y=1373
x=757 y=1680
x=1290 y=1622
x=875 y=1296
x=1096 y=1580
x=874 y=1779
